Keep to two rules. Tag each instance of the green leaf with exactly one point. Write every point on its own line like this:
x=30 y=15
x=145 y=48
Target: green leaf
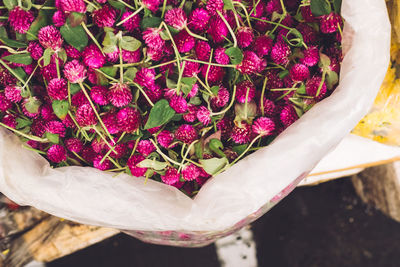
x=110 y=39
x=240 y=149
x=110 y=71
x=212 y=166
x=244 y=112
x=160 y=114
x=37 y=24
x=62 y=54
x=32 y=105
x=302 y=89
x=324 y=62
x=116 y=4
x=76 y=36
x=20 y=73
x=164 y=35
x=130 y=43
x=332 y=78
x=235 y=54
x=3 y=33
x=171 y=84
x=320 y=7
x=130 y=73
x=76 y=19
x=22 y=123
x=10 y=4
x=26 y=4
x=187 y=84
x=12 y=43
x=228 y=5
x=54 y=138
x=153 y=164
x=215 y=89
x=283 y=74
x=195 y=101
x=24 y=58
x=337 y=6
x=109 y=49
x=47 y=56
x=150 y=22
x=74 y=88
x=60 y=108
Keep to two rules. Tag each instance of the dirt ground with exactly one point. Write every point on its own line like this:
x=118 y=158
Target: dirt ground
x=324 y=226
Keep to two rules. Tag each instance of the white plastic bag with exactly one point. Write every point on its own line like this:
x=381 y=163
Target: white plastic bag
x=158 y=213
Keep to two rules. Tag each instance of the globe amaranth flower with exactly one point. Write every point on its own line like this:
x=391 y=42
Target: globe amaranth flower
x=93 y=57
x=20 y=20
x=198 y=20
x=119 y=95
x=129 y=119
x=132 y=23
x=99 y=94
x=176 y=18
x=165 y=138
x=50 y=37
x=75 y=72
x=186 y=133
x=13 y=93
x=85 y=116
x=104 y=17
x=57 y=153
x=245 y=91
x=171 y=176
x=133 y=165
x=263 y=126
x=145 y=147
x=73 y=6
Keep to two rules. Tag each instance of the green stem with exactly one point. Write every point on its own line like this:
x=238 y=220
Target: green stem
x=11 y=71
x=204 y=85
x=163 y=8
x=178 y=85
x=247 y=149
x=321 y=83
x=163 y=64
x=262 y=95
x=29 y=78
x=245 y=12
x=125 y=4
x=30 y=137
x=210 y=63
x=107 y=76
x=130 y=16
x=229 y=28
x=166 y=158
x=34 y=150
x=229 y=106
x=195 y=35
x=178 y=56
x=144 y=93
x=92 y=37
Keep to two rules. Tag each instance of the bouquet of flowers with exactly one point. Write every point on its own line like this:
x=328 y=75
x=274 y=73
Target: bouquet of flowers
x=169 y=92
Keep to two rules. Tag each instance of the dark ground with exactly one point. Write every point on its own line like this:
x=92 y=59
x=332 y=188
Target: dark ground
x=324 y=226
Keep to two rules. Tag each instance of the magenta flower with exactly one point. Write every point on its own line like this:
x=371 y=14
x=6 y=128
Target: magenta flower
x=13 y=93
x=203 y=50
x=263 y=126
x=57 y=89
x=92 y=57
x=190 y=172
x=9 y=120
x=171 y=176
x=299 y=72
x=203 y=115
x=59 y=18
x=311 y=56
x=243 y=89
x=145 y=77
x=262 y=45
x=20 y=20
x=176 y=18
x=131 y=56
x=131 y=24
x=74 y=145
x=85 y=116
x=251 y=63
x=55 y=127
x=220 y=56
x=73 y=6
x=184 y=42
x=312 y=86
x=198 y=20
x=129 y=119
x=152 y=5
x=75 y=72
x=105 y=165
x=245 y=36
x=145 y=147
x=36 y=50
x=178 y=103
x=215 y=74
x=104 y=17
x=165 y=138
x=152 y=38
x=132 y=164
x=50 y=37
x=186 y=133
x=330 y=23
x=221 y=99
x=288 y=115
x=99 y=95
x=57 y=153
x=241 y=134
x=213 y=6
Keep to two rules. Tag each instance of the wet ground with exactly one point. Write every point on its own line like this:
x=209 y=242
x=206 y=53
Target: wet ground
x=324 y=226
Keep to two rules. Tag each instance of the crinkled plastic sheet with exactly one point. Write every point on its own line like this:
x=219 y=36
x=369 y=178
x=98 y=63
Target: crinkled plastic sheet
x=158 y=213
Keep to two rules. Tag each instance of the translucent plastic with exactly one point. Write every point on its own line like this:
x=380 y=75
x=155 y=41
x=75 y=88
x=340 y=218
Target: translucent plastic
x=158 y=213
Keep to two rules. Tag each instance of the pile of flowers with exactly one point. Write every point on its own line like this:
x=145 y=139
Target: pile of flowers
x=176 y=91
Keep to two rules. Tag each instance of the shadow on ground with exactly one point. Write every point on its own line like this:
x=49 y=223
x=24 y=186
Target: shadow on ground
x=324 y=226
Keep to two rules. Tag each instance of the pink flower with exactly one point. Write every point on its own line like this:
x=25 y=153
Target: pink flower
x=28 y=113
x=154 y=54
x=218 y=31
x=46 y=111
x=105 y=165
x=152 y=38
x=251 y=63
x=111 y=123
x=131 y=56
x=72 y=52
x=262 y=45
x=98 y=145
x=184 y=42
x=75 y=72
x=171 y=176
x=263 y=126
x=73 y=6
x=119 y=95
x=121 y=149
x=59 y=18
x=145 y=147
x=190 y=116
x=288 y=115
x=145 y=77
x=220 y=56
x=165 y=138
x=307 y=14
x=129 y=119
x=50 y=37
x=215 y=74
x=36 y=50
x=20 y=20
x=132 y=165
x=85 y=116
x=152 y=5
x=280 y=53
x=57 y=153
x=79 y=99
x=176 y=18
x=312 y=86
x=310 y=36
x=203 y=50
x=104 y=17
x=225 y=126
x=330 y=23
x=5 y=104
x=178 y=103
x=74 y=145
x=241 y=134
x=193 y=91
x=131 y=24
x=10 y=121
x=243 y=89
x=299 y=72
x=186 y=133
x=245 y=36
x=191 y=69
x=213 y=6
x=57 y=89
x=198 y=20
x=221 y=99
x=13 y=93
x=55 y=127
x=99 y=95
x=92 y=57
x=88 y=154
x=311 y=56
x=269 y=107
x=203 y=115
x=190 y=172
